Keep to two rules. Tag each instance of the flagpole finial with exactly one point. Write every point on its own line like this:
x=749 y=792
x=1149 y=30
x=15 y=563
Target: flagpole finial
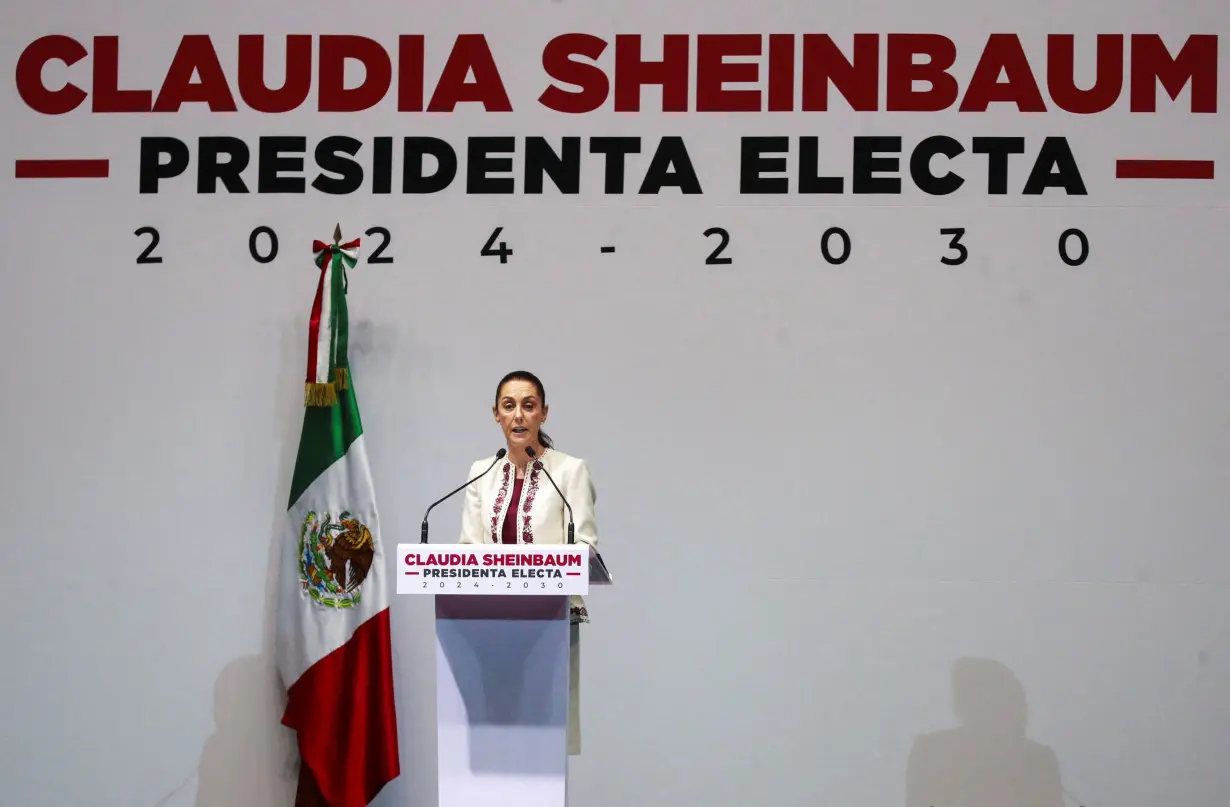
x=337 y=234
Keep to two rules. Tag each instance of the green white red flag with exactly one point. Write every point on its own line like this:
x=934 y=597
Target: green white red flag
x=333 y=636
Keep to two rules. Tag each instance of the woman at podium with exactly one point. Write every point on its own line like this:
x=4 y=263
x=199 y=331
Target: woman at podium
x=516 y=502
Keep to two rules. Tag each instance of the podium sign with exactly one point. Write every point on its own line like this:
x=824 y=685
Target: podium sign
x=508 y=569
x=502 y=664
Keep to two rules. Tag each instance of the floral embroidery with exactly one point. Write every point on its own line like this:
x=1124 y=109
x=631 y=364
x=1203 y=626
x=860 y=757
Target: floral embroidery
x=499 y=505
x=527 y=503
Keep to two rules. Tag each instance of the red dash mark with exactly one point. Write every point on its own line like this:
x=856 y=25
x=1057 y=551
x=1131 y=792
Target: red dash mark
x=63 y=169
x=1164 y=169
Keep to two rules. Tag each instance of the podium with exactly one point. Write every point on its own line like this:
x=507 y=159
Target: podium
x=502 y=664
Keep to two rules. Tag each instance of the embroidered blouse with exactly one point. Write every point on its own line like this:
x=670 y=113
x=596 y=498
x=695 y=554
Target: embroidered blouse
x=509 y=528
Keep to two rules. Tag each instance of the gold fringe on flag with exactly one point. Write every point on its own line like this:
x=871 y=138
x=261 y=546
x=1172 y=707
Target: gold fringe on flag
x=340 y=377
x=319 y=394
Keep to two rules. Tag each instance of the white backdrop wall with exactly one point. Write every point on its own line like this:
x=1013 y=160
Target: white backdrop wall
x=867 y=519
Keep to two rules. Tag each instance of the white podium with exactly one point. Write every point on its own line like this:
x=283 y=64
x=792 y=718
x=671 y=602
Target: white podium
x=502 y=664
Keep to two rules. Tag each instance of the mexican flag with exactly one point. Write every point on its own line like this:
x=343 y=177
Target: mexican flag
x=333 y=643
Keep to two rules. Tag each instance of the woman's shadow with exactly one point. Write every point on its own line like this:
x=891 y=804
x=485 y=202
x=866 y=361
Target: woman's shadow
x=250 y=758
x=987 y=759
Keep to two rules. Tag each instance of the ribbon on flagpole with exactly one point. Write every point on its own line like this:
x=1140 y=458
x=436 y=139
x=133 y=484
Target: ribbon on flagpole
x=328 y=362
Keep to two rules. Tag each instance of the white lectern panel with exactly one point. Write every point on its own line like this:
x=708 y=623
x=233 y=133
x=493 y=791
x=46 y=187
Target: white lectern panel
x=502 y=700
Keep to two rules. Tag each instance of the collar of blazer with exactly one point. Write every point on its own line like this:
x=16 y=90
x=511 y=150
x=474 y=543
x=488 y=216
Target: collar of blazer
x=549 y=457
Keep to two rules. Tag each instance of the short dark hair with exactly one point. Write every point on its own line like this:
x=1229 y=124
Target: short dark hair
x=528 y=377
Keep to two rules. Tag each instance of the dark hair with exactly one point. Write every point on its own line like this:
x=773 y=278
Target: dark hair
x=527 y=376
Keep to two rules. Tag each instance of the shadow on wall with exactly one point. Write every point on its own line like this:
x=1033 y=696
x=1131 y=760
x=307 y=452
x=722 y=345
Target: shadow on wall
x=251 y=758
x=987 y=759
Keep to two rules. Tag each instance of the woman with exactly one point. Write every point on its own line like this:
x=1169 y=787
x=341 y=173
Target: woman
x=516 y=504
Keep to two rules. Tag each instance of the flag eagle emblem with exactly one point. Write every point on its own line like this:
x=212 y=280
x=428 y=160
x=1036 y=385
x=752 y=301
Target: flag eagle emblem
x=334 y=558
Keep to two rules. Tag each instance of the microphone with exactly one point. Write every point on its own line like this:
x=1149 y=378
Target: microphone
x=529 y=450
x=499 y=455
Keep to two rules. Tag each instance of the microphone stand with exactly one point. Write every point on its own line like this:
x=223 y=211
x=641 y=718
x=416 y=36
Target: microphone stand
x=499 y=455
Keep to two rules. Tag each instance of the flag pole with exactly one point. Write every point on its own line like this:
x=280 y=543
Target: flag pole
x=334 y=643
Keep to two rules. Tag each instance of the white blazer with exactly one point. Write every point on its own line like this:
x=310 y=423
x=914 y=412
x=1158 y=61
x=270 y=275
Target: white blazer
x=486 y=504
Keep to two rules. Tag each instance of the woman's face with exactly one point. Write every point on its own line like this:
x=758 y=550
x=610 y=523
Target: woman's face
x=520 y=413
